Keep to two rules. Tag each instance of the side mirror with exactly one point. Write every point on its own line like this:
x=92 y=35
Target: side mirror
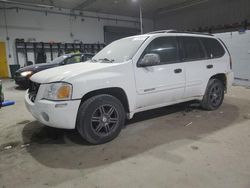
x=149 y=60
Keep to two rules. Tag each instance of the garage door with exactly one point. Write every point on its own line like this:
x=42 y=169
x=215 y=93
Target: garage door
x=239 y=47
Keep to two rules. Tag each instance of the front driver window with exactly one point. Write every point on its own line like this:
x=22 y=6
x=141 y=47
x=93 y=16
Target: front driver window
x=165 y=47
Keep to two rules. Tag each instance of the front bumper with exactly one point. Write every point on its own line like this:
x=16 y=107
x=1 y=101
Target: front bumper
x=58 y=114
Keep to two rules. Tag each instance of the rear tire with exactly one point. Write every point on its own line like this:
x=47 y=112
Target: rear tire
x=100 y=119
x=214 y=95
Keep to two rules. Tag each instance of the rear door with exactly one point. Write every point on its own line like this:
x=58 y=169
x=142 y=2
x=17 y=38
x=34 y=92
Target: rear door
x=220 y=62
x=196 y=65
x=162 y=83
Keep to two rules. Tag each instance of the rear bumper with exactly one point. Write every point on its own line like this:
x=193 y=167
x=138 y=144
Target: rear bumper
x=58 y=114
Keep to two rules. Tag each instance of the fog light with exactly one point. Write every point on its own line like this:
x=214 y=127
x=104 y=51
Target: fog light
x=45 y=116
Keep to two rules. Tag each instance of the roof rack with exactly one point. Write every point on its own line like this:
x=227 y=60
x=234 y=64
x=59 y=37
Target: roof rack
x=190 y=32
x=162 y=31
x=175 y=31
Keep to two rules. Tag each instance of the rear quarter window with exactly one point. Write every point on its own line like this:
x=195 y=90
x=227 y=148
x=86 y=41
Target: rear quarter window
x=213 y=47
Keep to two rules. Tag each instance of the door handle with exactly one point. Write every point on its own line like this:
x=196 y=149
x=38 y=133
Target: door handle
x=210 y=66
x=177 y=71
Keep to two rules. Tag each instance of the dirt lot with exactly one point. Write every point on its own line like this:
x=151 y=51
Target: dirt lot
x=175 y=146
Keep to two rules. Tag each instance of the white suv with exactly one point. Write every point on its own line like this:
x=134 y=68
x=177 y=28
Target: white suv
x=131 y=75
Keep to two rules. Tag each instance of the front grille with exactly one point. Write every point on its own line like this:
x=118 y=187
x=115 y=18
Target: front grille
x=33 y=90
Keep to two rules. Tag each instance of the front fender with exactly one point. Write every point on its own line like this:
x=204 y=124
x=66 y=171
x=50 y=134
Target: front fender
x=116 y=77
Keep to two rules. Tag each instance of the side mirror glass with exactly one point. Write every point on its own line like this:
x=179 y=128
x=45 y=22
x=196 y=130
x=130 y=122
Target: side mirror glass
x=149 y=60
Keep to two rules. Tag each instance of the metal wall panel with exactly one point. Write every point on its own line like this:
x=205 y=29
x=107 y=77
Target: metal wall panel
x=112 y=33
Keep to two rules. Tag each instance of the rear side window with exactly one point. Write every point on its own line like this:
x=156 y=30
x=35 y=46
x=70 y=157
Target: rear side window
x=166 y=48
x=213 y=47
x=192 y=49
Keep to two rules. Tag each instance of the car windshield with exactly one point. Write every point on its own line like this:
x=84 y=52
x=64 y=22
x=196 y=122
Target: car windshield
x=120 y=50
x=59 y=59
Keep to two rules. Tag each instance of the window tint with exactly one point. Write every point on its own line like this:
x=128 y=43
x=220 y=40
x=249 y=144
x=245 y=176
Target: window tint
x=213 y=47
x=192 y=48
x=165 y=47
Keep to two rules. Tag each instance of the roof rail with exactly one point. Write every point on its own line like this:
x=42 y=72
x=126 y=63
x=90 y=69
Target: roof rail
x=162 y=31
x=190 y=32
x=175 y=31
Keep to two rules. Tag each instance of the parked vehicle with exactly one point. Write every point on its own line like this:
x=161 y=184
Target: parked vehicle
x=131 y=75
x=22 y=75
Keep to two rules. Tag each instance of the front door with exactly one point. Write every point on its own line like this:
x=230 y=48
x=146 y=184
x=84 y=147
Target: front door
x=163 y=83
x=3 y=61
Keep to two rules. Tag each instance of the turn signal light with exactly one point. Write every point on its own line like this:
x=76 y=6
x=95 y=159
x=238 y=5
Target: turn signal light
x=63 y=92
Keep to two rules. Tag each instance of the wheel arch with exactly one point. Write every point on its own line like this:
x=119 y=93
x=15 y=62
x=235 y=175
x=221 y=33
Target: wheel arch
x=222 y=77
x=117 y=92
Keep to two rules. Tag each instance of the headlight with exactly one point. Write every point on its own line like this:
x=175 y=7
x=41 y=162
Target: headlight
x=58 y=91
x=26 y=73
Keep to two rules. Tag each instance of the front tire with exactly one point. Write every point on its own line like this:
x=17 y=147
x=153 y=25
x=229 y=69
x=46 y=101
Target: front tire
x=214 y=95
x=100 y=119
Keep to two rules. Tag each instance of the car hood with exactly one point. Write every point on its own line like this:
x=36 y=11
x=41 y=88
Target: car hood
x=69 y=71
x=37 y=68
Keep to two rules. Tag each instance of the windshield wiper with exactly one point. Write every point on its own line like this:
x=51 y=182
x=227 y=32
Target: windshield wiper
x=106 y=59
x=103 y=59
x=93 y=60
